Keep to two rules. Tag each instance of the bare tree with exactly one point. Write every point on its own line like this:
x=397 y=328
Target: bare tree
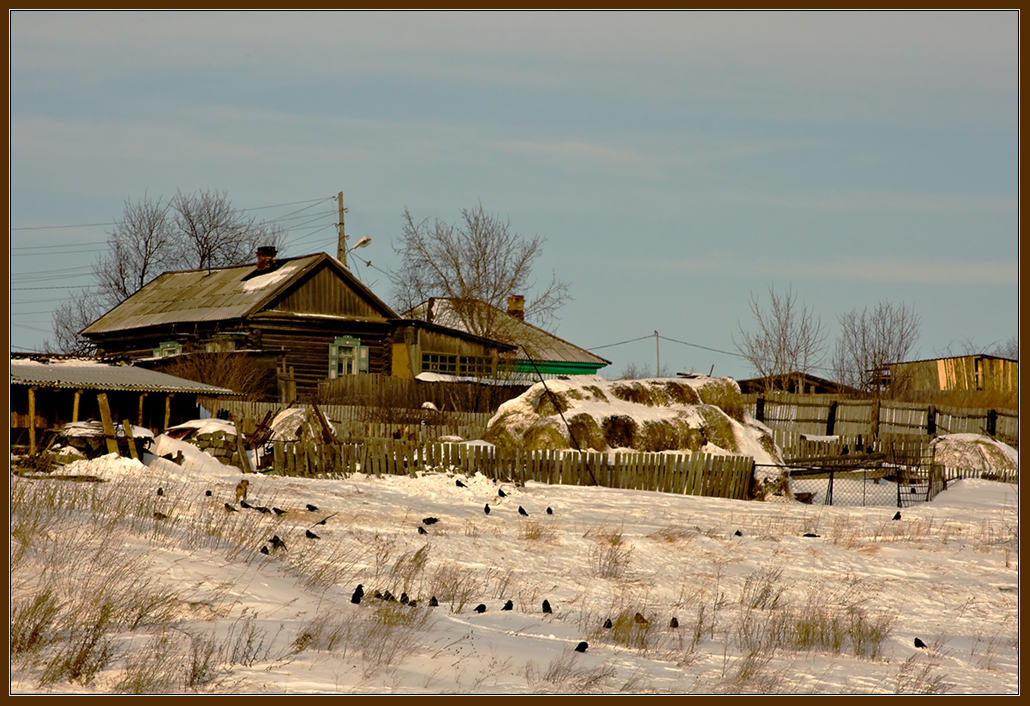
x=70 y=317
x=214 y=234
x=141 y=245
x=1008 y=349
x=189 y=231
x=481 y=259
x=788 y=339
x=872 y=338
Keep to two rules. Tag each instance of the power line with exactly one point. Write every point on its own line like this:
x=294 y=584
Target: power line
x=620 y=343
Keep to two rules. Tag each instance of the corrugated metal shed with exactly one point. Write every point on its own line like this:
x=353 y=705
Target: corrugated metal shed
x=94 y=375
x=541 y=345
x=218 y=294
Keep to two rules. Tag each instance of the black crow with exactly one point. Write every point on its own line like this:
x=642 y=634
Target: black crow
x=433 y=601
x=264 y=510
x=311 y=508
x=230 y=508
x=522 y=511
x=581 y=647
x=404 y=598
x=546 y=606
x=607 y=623
x=919 y=643
x=244 y=503
x=358 y=593
x=207 y=493
x=430 y=521
x=422 y=530
x=160 y=491
x=638 y=618
x=412 y=604
x=508 y=606
x=738 y=533
x=897 y=515
x=460 y=484
x=674 y=623
x=160 y=516
x=277 y=543
x=377 y=594
x=310 y=535
x=264 y=550
x=501 y=493
x=480 y=608
x=810 y=534
x=278 y=511
x=389 y=597
x=486 y=508
x=549 y=510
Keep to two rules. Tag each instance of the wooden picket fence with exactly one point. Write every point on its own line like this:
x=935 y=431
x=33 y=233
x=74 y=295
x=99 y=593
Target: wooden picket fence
x=687 y=474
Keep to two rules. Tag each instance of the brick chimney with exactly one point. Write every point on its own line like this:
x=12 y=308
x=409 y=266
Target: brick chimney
x=517 y=306
x=265 y=258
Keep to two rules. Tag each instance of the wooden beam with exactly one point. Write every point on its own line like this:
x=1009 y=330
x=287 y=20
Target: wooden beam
x=105 y=418
x=127 y=427
x=32 y=420
x=168 y=410
x=75 y=406
x=139 y=417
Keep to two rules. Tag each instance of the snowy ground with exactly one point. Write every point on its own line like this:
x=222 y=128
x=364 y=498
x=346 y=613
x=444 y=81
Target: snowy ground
x=768 y=610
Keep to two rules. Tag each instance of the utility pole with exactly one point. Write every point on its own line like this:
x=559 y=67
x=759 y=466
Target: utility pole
x=657 y=360
x=341 y=238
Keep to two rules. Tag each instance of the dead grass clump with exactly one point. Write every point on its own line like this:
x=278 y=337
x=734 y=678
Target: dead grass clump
x=456 y=585
x=564 y=676
x=537 y=532
x=611 y=556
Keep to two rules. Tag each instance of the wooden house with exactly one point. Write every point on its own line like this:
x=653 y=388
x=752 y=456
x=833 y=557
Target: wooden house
x=535 y=352
x=308 y=317
x=962 y=373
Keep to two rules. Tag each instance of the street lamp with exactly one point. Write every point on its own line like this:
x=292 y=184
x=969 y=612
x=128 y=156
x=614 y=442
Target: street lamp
x=362 y=242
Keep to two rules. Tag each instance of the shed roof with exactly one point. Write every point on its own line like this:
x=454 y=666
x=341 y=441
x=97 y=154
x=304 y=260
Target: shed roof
x=540 y=344
x=86 y=373
x=219 y=294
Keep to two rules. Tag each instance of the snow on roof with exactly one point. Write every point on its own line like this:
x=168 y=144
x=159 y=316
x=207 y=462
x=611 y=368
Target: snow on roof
x=84 y=373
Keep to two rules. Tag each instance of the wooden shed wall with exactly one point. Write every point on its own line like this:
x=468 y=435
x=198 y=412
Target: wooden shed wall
x=995 y=374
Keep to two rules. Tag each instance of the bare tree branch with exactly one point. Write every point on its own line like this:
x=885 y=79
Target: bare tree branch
x=869 y=340
x=481 y=259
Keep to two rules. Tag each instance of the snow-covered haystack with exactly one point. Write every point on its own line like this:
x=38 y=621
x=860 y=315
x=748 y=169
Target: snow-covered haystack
x=659 y=414
x=974 y=451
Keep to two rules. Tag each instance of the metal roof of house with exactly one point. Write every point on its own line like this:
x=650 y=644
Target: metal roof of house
x=85 y=373
x=540 y=344
x=217 y=294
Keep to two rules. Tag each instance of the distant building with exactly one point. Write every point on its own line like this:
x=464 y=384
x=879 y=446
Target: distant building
x=798 y=383
x=976 y=372
x=535 y=351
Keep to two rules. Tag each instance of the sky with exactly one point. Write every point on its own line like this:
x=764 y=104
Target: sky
x=674 y=163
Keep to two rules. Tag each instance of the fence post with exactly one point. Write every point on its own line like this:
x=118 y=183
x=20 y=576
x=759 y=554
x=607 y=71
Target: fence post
x=831 y=418
x=992 y=422
x=931 y=420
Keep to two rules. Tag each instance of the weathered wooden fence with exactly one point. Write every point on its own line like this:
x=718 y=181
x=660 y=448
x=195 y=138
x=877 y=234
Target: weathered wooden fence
x=830 y=415
x=353 y=422
x=389 y=391
x=688 y=474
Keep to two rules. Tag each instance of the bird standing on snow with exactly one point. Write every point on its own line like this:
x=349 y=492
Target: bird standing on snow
x=230 y=508
x=310 y=535
x=674 y=623
x=486 y=509
x=311 y=508
x=549 y=510
x=897 y=516
x=480 y=608
x=607 y=623
x=278 y=511
x=160 y=491
x=460 y=484
x=430 y=521
x=264 y=550
x=501 y=493
x=546 y=606
x=207 y=493
x=277 y=543
x=919 y=643
x=433 y=602
x=581 y=647
x=508 y=606
x=358 y=593
x=522 y=511
x=422 y=530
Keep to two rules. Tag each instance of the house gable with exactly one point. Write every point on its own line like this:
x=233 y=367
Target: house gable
x=329 y=290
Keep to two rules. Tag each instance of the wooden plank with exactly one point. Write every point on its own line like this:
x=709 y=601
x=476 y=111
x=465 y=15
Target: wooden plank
x=105 y=418
x=32 y=421
x=131 y=442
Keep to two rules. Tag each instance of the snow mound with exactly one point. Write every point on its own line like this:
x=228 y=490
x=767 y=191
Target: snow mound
x=659 y=414
x=975 y=451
